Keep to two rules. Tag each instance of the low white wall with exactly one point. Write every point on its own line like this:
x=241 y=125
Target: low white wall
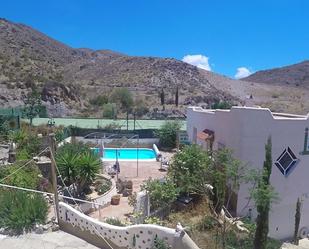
x=102 y=201
x=141 y=141
x=136 y=236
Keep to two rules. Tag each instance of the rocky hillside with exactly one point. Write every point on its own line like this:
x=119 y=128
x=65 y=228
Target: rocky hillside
x=69 y=77
x=295 y=75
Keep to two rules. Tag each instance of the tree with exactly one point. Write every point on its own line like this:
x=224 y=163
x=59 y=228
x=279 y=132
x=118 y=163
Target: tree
x=168 y=134
x=140 y=107
x=263 y=196
x=99 y=100
x=176 y=96
x=162 y=97
x=297 y=221
x=161 y=193
x=219 y=179
x=33 y=105
x=190 y=170
x=123 y=97
x=109 y=110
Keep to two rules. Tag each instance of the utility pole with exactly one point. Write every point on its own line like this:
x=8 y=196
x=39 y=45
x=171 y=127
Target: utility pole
x=127 y=120
x=137 y=155
x=53 y=172
x=134 y=117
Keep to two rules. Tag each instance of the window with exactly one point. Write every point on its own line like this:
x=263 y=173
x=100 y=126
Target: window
x=286 y=161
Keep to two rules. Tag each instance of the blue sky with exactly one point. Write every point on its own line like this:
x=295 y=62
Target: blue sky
x=222 y=35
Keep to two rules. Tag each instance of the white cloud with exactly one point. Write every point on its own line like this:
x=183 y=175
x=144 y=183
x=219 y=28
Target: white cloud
x=242 y=72
x=201 y=61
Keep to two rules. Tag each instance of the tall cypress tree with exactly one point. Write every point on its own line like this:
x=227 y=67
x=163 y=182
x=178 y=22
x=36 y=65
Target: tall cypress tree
x=297 y=221
x=162 y=96
x=263 y=200
x=176 y=96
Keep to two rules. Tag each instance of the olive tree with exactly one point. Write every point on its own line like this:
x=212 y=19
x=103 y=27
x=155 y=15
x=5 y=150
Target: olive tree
x=33 y=105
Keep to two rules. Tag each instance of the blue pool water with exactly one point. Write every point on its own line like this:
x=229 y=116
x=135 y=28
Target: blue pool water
x=127 y=153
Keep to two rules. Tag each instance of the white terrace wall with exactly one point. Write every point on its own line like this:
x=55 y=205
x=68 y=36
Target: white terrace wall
x=131 y=237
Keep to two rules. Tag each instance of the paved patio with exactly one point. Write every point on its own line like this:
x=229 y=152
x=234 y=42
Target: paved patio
x=138 y=174
x=52 y=240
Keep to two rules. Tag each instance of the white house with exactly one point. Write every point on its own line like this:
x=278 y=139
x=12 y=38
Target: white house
x=245 y=130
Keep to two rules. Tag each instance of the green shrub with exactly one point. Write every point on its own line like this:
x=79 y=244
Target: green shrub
x=188 y=167
x=222 y=105
x=4 y=127
x=153 y=220
x=22 y=155
x=132 y=200
x=27 y=177
x=114 y=222
x=99 y=100
x=109 y=110
x=123 y=97
x=103 y=187
x=161 y=193
x=21 y=210
x=43 y=112
x=168 y=134
x=28 y=144
x=159 y=244
x=140 y=108
x=18 y=136
x=207 y=223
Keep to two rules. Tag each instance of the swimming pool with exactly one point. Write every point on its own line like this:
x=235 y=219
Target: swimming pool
x=127 y=154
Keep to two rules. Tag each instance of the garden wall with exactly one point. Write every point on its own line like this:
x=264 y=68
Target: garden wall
x=104 y=200
x=131 y=237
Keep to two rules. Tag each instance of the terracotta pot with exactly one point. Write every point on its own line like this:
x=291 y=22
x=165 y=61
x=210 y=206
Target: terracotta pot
x=115 y=200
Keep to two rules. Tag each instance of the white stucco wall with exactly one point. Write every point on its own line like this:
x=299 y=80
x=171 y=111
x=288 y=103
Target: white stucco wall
x=130 y=237
x=245 y=131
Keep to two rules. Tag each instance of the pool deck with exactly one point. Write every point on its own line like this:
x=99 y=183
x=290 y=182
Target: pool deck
x=128 y=171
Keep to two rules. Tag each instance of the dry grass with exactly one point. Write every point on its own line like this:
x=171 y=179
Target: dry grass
x=191 y=218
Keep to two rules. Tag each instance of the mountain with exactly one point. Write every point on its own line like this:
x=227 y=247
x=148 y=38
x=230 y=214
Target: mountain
x=69 y=78
x=295 y=75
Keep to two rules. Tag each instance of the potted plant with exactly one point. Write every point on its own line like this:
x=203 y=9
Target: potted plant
x=115 y=200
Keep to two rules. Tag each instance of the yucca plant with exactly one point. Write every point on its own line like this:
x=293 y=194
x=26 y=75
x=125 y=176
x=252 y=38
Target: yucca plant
x=67 y=164
x=88 y=165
